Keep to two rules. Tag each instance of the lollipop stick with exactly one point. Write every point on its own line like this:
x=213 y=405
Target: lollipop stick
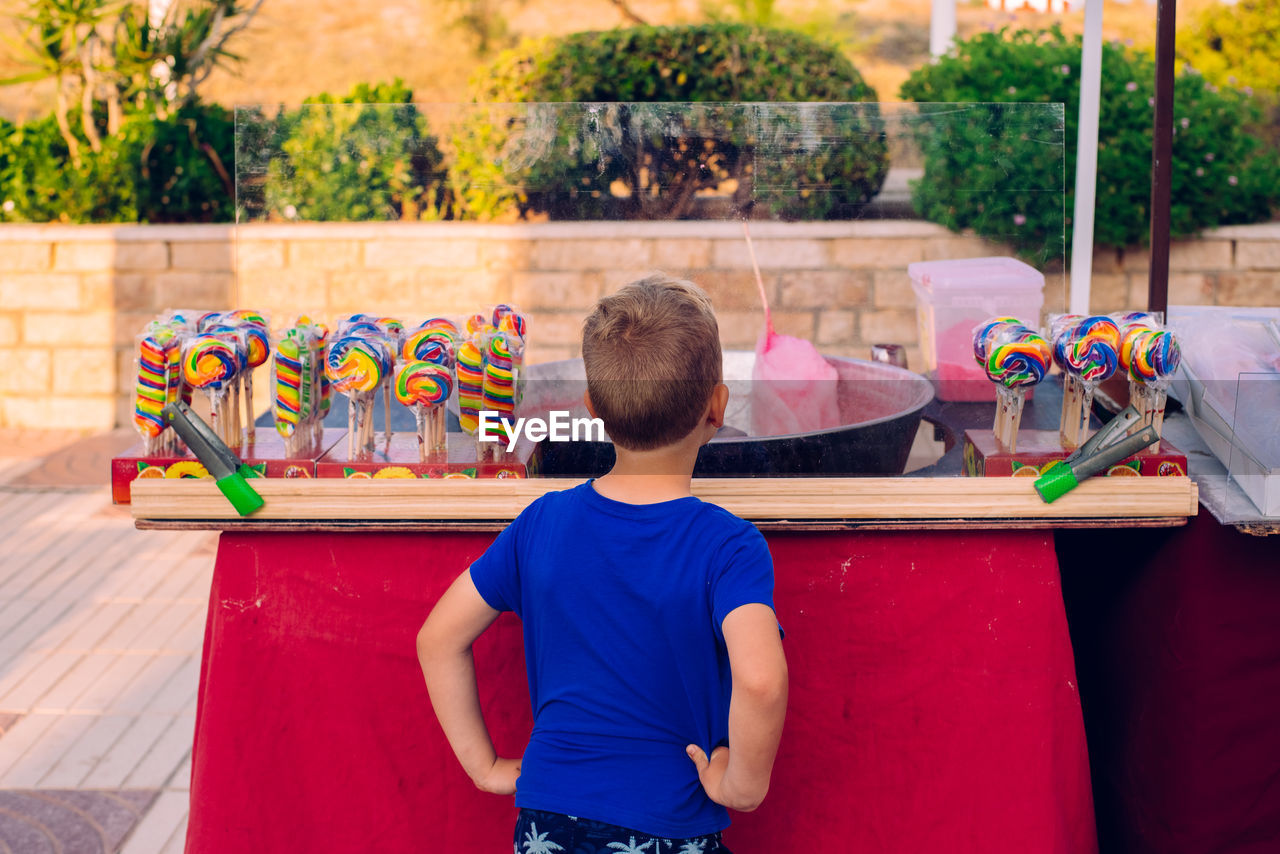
x=1009 y=416
x=386 y=407
x=437 y=437
x=420 y=416
x=352 y=439
x=248 y=403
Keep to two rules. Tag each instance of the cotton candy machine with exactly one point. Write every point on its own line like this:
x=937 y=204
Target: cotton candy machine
x=879 y=405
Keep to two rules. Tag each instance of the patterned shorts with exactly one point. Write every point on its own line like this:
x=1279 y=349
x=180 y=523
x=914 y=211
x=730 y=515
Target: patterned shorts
x=551 y=833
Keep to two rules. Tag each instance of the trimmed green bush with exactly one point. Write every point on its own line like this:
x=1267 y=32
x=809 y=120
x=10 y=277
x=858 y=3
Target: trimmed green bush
x=153 y=171
x=609 y=161
x=1221 y=174
x=332 y=160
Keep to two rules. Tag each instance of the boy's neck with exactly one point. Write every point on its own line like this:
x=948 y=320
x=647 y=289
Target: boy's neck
x=648 y=477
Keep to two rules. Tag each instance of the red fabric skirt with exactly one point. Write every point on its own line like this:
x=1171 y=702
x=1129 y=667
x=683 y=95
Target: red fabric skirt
x=933 y=700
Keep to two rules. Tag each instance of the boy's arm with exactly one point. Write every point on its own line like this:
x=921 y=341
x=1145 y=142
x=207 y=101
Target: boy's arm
x=738 y=776
x=444 y=651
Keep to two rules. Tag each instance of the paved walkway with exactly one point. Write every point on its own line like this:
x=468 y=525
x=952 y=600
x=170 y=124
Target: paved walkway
x=100 y=633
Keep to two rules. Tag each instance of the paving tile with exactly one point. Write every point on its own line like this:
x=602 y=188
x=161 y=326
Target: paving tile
x=111 y=685
x=139 y=693
x=165 y=756
x=125 y=754
x=45 y=751
x=69 y=822
x=70 y=770
x=62 y=696
x=7 y=720
x=52 y=668
x=159 y=825
x=19 y=739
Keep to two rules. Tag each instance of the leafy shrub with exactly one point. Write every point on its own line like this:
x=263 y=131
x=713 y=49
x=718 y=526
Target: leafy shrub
x=39 y=182
x=612 y=161
x=1221 y=174
x=185 y=165
x=332 y=162
x=153 y=171
x=1235 y=45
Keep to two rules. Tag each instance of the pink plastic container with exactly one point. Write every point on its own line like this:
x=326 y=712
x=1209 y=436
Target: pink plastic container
x=952 y=297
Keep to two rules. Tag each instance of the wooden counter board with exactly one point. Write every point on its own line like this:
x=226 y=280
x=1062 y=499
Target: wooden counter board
x=772 y=503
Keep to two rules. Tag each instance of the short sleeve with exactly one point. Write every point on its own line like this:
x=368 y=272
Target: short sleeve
x=496 y=573
x=745 y=575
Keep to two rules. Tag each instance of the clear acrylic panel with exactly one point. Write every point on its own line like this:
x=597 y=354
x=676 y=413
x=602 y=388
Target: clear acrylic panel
x=997 y=170
x=1255 y=442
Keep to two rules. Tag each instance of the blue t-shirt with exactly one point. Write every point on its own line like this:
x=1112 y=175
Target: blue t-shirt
x=622 y=607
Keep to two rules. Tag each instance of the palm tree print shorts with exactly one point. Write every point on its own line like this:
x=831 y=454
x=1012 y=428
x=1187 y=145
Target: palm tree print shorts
x=551 y=833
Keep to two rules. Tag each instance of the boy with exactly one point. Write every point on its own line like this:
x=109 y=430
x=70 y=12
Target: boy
x=649 y=631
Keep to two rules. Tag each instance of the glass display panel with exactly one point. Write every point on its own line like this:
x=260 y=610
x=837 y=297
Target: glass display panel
x=727 y=179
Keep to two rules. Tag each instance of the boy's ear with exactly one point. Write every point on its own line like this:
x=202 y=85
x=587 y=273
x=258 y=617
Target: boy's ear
x=586 y=400
x=716 y=406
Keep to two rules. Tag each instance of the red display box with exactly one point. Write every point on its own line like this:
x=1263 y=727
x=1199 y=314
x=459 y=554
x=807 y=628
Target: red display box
x=986 y=457
x=265 y=455
x=400 y=458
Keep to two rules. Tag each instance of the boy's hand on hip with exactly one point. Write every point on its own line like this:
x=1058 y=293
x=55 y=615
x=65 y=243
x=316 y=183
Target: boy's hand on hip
x=501 y=778
x=711 y=770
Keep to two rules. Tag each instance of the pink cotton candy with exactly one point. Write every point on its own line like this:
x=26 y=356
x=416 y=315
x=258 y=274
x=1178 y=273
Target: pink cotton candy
x=793 y=388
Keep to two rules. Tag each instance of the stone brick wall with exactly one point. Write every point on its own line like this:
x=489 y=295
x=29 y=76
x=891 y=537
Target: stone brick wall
x=72 y=298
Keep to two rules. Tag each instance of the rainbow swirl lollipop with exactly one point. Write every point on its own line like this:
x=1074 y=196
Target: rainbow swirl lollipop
x=476 y=323
x=288 y=406
x=1018 y=358
x=985 y=331
x=1101 y=327
x=498 y=387
x=470 y=385
x=1091 y=359
x=356 y=364
x=1061 y=330
x=152 y=391
x=210 y=362
x=423 y=384
x=431 y=343
x=1154 y=356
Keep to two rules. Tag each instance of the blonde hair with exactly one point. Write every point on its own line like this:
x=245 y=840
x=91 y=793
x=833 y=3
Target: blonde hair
x=652 y=357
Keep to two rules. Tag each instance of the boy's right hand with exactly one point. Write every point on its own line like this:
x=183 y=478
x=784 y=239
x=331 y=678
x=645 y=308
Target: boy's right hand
x=711 y=772
x=501 y=778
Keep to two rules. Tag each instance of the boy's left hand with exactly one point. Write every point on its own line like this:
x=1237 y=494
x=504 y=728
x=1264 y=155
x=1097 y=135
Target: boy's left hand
x=501 y=778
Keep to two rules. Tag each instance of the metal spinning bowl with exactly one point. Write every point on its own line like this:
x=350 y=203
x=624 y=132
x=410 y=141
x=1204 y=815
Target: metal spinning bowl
x=879 y=404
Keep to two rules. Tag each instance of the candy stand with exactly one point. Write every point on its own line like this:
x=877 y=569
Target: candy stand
x=934 y=698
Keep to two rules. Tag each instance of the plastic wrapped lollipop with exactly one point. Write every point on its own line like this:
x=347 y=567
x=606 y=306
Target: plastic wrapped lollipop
x=985 y=331
x=425 y=387
x=1061 y=327
x=470 y=376
x=517 y=328
x=159 y=350
x=318 y=337
x=385 y=331
x=210 y=363
x=1153 y=357
x=498 y=387
x=436 y=341
x=356 y=366
x=239 y=337
x=253 y=326
x=1017 y=359
x=1090 y=354
x=294 y=382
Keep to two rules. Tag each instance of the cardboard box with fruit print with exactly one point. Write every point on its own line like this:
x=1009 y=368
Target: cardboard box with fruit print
x=985 y=456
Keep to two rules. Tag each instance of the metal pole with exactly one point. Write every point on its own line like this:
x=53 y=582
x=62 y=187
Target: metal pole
x=1161 y=158
x=942 y=26
x=1086 y=159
